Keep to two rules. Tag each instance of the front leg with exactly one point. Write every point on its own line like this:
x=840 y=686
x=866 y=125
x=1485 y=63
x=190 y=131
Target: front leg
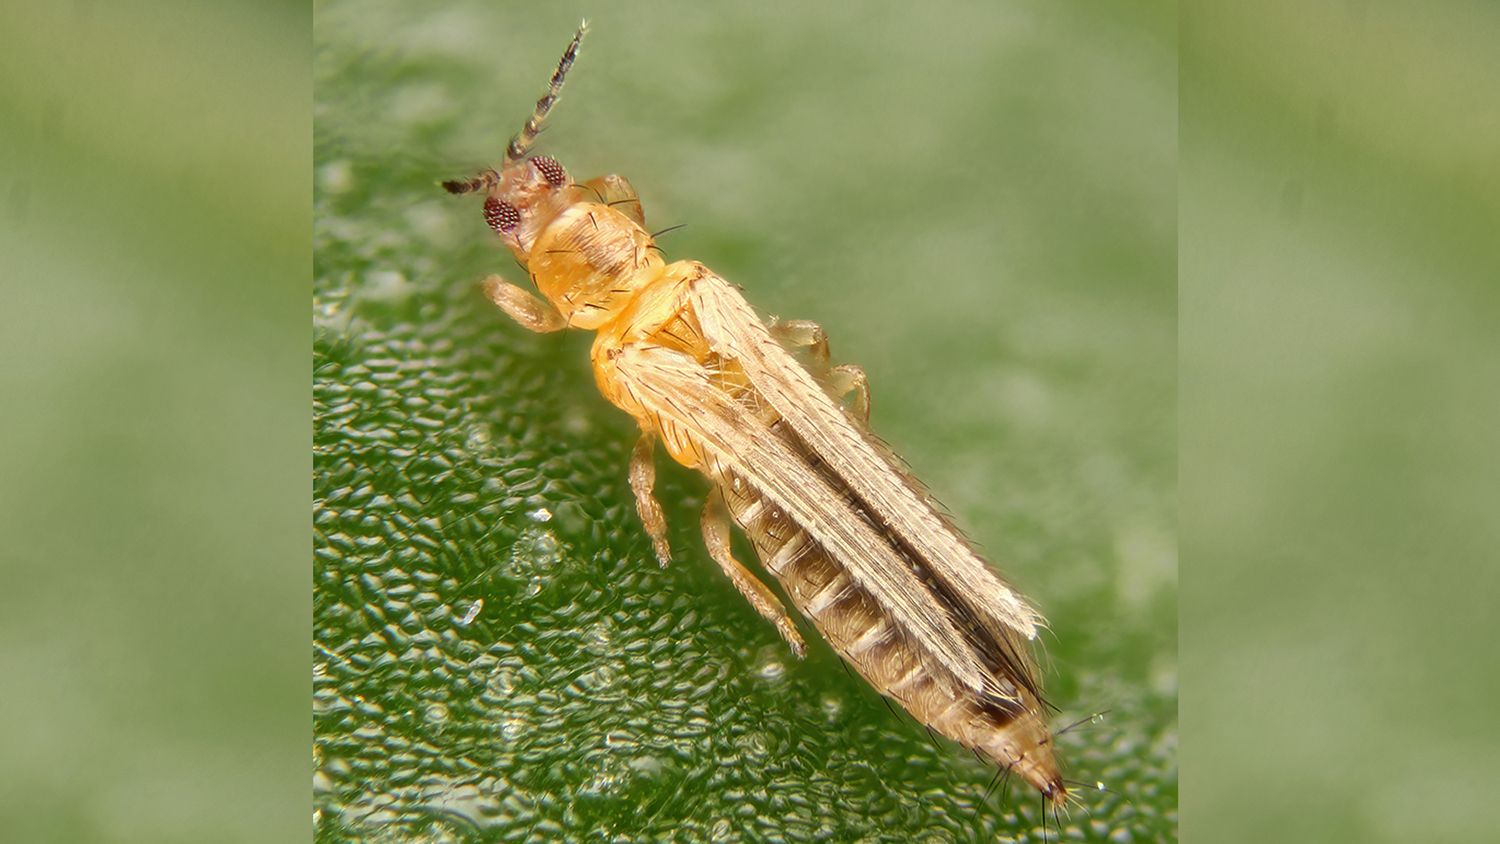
x=642 y=480
x=531 y=312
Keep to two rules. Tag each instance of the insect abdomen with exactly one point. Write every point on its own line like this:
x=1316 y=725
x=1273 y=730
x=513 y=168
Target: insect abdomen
x=853 y=622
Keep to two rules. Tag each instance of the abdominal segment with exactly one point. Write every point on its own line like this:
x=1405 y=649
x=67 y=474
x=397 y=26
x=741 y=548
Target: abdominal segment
x=870 y=639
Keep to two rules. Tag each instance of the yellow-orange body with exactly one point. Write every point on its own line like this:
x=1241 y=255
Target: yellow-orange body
x=853 y=540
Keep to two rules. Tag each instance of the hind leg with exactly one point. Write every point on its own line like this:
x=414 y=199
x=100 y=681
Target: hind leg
x=716 y=537
x=845 y=381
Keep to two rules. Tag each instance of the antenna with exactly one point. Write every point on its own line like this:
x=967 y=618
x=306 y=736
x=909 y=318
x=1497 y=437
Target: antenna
x=523 y=139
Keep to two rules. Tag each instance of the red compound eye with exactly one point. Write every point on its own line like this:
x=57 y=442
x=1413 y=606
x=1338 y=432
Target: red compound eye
x=553 y=172
x=501 y=215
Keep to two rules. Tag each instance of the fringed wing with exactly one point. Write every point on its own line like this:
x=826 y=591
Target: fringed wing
x=685 y=395
x=734 y=332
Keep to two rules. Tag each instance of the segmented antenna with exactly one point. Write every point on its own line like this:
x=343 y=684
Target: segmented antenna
x=523 y=140
x=484 y=181
x=489 y=177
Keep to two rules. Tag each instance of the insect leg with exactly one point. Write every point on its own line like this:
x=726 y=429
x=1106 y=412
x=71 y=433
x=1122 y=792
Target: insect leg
x=842 y=380
x=716 y=537
x=642 y=479
x=849 y=379
x=804 y=334
x=531 y=312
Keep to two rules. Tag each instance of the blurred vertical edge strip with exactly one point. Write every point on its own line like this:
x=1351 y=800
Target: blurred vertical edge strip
x=1339 y=190
x=155 y=190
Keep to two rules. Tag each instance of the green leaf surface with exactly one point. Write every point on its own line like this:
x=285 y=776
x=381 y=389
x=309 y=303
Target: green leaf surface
x=978 y=204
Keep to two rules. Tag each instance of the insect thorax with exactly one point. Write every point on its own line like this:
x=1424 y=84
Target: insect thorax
x=591 y=261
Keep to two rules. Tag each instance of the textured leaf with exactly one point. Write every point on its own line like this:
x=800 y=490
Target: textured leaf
x=976 y=213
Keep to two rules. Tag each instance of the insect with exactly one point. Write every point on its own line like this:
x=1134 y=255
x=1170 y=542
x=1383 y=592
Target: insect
x=856 y=544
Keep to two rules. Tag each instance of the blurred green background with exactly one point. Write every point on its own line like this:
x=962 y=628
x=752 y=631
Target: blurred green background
x=1340 y=194
x=1003 y=177
x=977 y=201
x=155 y=183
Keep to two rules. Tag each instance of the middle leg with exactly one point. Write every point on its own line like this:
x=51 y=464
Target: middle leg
x=642 y=482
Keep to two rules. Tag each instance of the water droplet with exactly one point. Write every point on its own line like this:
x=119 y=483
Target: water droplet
x=832 y=708
x=544 y=543
x=597 y=640
x=503 y=681
x=433 y=221
x=419 y=104
x=575 y=422
x=386 y=286
x=646 y=766
x=594 y=683
x=753 y=746
x=478 y=439
x=472 y=613
x=540 y=514
x=328 y=315
x=513 y=727
x=336 y=176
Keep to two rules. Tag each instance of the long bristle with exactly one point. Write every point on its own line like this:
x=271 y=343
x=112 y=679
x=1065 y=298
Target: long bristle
x=523 y=139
